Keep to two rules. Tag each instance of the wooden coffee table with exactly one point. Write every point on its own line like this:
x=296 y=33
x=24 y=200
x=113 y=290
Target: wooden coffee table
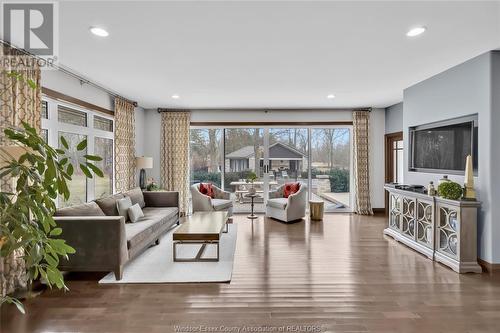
x=201 y=228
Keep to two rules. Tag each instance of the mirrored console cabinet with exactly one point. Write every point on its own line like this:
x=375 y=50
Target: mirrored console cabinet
x=443 y=230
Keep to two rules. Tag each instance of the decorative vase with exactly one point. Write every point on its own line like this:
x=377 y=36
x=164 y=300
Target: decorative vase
x=469 y=192
x=252 y=190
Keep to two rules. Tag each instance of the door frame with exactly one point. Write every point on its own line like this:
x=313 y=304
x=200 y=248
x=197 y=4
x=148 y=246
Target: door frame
x=389 y=161
x=265 y=127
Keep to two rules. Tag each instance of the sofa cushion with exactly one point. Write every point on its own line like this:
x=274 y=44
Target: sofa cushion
x=153 y=220
x=279 y=203
x=207 y=189
x=108 y=204
x=135 y=213
x=136 y=196
x=221 y=204
x=122 y=205
x=86 y=209
x=290 y=188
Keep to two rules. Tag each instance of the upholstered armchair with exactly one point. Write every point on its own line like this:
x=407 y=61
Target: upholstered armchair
x=287 y=209
x=204 y=203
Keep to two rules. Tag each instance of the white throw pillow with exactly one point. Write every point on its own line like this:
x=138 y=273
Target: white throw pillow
x=135 y=213
x=123 y=205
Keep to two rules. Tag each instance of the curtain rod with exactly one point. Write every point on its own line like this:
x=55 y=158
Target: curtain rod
x=68 y=72
x=160 y=110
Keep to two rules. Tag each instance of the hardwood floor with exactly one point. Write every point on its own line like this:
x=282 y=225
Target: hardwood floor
x=339 y=275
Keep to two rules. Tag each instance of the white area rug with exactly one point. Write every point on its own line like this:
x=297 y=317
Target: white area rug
x=156 y=265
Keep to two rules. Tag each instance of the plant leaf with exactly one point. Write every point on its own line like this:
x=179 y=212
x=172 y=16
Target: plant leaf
x=70 y=170
x=64 y=142
x=96 y=170
x=56 y=232
x=82 y=145
x=93 y=158
x=85 y=170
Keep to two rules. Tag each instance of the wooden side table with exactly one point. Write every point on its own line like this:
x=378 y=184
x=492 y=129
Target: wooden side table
x=316 y=209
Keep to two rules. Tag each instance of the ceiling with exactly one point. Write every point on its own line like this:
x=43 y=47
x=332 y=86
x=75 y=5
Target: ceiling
x=283 y=54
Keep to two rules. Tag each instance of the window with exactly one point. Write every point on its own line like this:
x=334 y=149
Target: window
x=104 y=148
x=71 y=116
x=75 y=124
x=78 y=184
x=103 y=124
x=318 y=157
x=45 y=135
x=331 y=167
x=206 y=156
x=45 y=111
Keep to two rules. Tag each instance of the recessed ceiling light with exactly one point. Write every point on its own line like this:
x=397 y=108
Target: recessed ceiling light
x=331 y=96
x=99 y=32
x=416 y=31
x=176 y=96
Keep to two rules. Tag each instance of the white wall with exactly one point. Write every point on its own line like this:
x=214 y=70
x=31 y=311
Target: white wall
x=152 y=132
x=462 y=90
x=152 y=135
x=139 y=134
x=68 y=85
x=377 y=158
x=270 y=116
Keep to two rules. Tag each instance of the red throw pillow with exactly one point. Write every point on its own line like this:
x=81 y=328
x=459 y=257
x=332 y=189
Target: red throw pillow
x=290 y=188
x=206 y=189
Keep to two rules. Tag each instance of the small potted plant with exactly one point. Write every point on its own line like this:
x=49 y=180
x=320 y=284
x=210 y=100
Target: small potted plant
x=450 y=190
x=152 y=185
x=250 y=179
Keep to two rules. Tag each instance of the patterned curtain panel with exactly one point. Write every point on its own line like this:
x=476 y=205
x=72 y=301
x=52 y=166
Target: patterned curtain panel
x=124 y=145
x=361 y=131
x=18 y=102
x=174 y=158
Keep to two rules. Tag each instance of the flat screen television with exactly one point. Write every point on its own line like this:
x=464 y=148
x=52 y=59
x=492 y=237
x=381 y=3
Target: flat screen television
x=443 y=147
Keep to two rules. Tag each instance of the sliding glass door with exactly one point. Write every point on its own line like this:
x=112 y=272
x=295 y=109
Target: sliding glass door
x=241 y=158
x=207 y=161
x=331 y=163
x=244 y=167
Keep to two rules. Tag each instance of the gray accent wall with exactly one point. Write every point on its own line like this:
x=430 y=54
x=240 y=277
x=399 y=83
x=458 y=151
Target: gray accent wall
x=463 y=90
x=394 y=118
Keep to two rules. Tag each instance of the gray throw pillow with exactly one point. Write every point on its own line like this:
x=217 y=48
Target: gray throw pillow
x=136 y=196
x=108 y=204
x=122 y=205
x=135 y=213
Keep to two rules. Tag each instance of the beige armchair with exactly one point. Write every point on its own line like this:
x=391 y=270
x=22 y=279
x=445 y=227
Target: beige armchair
x=204 y=203
x=287 y=209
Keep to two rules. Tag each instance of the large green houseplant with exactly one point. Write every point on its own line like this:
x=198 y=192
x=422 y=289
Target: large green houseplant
x=26 y=222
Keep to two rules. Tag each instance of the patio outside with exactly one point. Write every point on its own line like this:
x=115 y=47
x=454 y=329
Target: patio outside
x=288 y=161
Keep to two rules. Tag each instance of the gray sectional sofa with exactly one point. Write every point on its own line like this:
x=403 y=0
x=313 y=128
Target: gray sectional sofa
x=104 y=240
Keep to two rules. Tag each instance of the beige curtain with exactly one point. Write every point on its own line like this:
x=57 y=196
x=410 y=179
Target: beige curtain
x=124 y=145
x=174 y=157
x=361 y=129
x=19 y=101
